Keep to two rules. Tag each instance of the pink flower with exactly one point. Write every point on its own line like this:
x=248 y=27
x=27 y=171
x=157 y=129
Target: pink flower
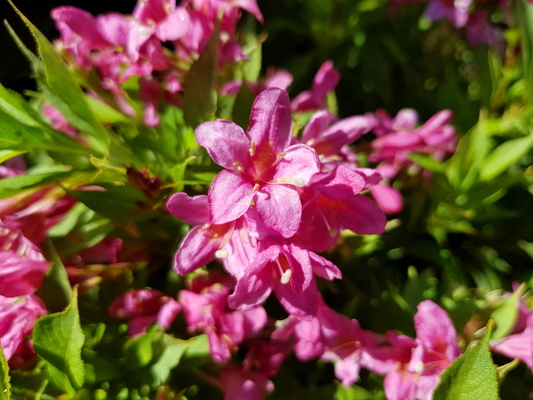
x=453 y=10
x=266 y=356
x=58 y=120
x=325 y=80
x=288 y=270
x=207 y=312
x=333 y=203
x=331 y=142
x=260 y=166
x=17 y=317
x=143 y=307
x=22 y=265
x=234 y=242
x=240 y=384
x=412 y=367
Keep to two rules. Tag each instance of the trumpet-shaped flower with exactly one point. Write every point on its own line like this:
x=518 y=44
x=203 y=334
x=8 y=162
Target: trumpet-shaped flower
x=143 y=308
x=260 y=165
x=17 y=317
x=207 y=312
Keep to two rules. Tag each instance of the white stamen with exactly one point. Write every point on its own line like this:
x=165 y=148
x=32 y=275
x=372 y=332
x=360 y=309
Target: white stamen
x=252 y=148
x=298 y=182
x=238 y=166
x=286 y=277
x=222 y=253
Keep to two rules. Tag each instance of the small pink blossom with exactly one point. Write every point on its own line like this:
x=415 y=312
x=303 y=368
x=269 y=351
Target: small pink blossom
x=207 y=311
x=143 y=307
x=325 y=80
x=22 y=265
x=240 y=384
x=260 y=165
x=17 y=317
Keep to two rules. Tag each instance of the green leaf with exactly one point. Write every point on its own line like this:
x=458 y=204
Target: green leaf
x=16 y=184
x=199 y=93
x=62 y=90
x=505 y=155
x=55 y=290
x=472 y=376
x=118 y=203
x=58 y=339
x=506 y=315
x=168 y=351
x=5 y=387
x=138 y=352
x=426 y=162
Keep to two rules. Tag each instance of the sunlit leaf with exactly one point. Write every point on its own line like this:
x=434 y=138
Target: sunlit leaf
x=472 y=376
x=58 y=339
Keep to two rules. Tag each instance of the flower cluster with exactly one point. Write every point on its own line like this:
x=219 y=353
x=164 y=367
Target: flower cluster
x=123 y=47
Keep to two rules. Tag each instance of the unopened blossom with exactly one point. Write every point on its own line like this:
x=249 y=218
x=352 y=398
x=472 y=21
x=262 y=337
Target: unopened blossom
x=326 y=79
x=207 y=312
x=279 y=79
x=261 y=167
x=144 y=307
x=17 y=317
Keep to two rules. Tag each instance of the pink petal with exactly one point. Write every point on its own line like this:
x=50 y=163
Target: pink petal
x=192 y=210
x=229 y=197
x=225 y=142
x=389 y=199
x=326 y=79
x=406 y=119
x=324 y=268
x=303 y=305
x=250 y=6
x=197 y=249
x=20 y=275
x=280 y=208
x=299 y=162
x=79 y=21
x=270 y=124
x=281 y=79
x=399 y=385
x=434 y=327
x=256 y=285
x=318 y=124
x=114 y=27
x=363 y=216
x=174 y=26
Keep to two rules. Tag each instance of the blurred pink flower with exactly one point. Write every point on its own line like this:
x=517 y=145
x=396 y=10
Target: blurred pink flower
x=207 y=312
x=17 y=317
x=143 y=307
x=325 y=80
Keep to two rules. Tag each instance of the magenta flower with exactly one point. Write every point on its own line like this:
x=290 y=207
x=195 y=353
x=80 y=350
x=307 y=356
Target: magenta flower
x=260 y=165
x=266 y=356
x=412 y=367
x=325 y=80
x=143 y=307
x=288 y=270
x=240 y=384
x=333 y=203
x=453 y=10
x=17 y=317
x=22 y=265
x=207 y=312
x=331 y=142
x=234 y=242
